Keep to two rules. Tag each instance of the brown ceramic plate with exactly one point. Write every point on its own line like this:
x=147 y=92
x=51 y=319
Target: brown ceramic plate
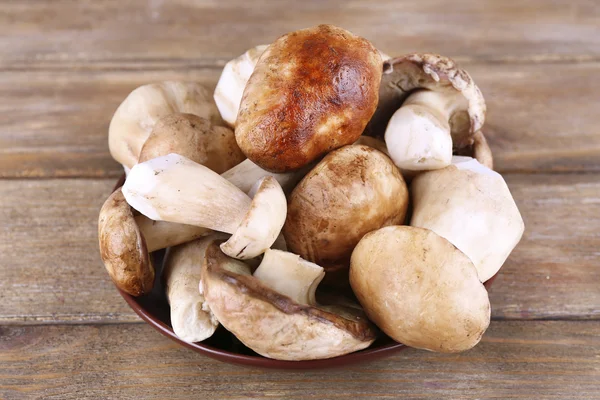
x=224 y=346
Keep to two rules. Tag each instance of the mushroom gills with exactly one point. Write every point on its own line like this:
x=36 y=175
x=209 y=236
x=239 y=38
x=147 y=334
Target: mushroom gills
x=290 y=275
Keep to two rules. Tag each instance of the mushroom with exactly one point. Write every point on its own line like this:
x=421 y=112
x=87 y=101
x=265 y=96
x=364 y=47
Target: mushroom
x=427 y=106
x=478 y=149
x=471 y=206
x=275 y=313
x=175 y=189
x=135 y=118
x=420 y=289
x=195 y=138
x=231 y=84
x=246 y=173
x=312 y=91
x=351 y=192
x=191 y=318
x=126 y=240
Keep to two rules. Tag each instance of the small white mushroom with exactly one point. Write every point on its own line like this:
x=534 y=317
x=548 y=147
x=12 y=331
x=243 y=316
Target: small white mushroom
x=175 y=189
x=471 y=206
x=231 y=85
x=191 y=318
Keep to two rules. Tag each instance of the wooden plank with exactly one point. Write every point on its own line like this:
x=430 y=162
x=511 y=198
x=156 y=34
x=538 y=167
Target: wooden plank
x=113 y=32
x=527 y=360
x=55 y=123
x=52 y=273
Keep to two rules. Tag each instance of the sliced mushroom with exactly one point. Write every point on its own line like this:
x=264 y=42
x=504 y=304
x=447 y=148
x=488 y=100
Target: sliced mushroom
x=471 y=206
x=427 y=106
x=175 y=189
x=275 y=313
x=420 y=289
x=233 y=80
x=195 y=138
x=126 y=241
x=351 y=192
x=135 y=118
x=191 y=318
x=312 y=91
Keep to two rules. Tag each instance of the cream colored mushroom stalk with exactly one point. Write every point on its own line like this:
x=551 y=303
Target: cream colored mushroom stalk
x=175 y=189
x=275 y=313
x=231 y=85
x=471 y=206
x=246 y=173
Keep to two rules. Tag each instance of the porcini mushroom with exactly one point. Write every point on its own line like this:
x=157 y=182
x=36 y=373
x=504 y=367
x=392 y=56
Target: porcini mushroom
x=191 y=318
x=175 y=189
x=274 y=312
x=246 y=173
x=351 y=192
x=427 y=107
x=233 y=80
x=126 y=240
x=471 y=206
x=195 y=138
x=420 y=289
x=312 y=91
x=135 y=118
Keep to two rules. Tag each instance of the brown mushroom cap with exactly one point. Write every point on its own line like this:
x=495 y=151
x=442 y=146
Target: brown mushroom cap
x=312 y=91
x=123 y=248
x=273 y=324
x=420 y=289
x=195 y=138
x=406 y=74
x=351 y=192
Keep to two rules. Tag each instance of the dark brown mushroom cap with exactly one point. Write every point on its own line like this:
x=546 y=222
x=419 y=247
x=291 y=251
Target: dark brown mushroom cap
x=123 y=248
x=274 y=325
x=312 y=91
x=403 y=75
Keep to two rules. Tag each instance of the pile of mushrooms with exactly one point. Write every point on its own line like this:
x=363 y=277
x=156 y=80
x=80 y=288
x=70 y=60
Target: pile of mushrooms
x=283 y=200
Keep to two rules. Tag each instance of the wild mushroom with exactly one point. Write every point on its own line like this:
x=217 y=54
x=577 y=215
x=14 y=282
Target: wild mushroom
x=427 y=106
x=312 y=91
x=478 y=149
x=420 y=289
x=231 y=84
x=191 y=318
x=275 y=313
x=175 y=189
x=135 y=118
x=195 y=138
x=125 y=243
x=246 y=173
x=471 y=206
x=351 y=192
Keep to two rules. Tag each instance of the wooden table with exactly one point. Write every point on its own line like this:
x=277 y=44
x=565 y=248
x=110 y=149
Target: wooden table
x=66 y=65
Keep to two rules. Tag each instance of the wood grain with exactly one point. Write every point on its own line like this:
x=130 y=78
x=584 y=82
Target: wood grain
x=114 y=32
x=528 y=360
x=55 y=123
x=52 y=272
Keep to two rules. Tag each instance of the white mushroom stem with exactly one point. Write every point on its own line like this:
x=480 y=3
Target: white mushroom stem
x=246 y=173
x=418 y=134
x=290 y=275
x=173 y=188
x=162 y=234
x=231 y=85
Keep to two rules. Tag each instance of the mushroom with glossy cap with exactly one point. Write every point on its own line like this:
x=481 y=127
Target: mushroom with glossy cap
x=420 y=289
x=427 y=107
x=275 y=313
x=175 y=189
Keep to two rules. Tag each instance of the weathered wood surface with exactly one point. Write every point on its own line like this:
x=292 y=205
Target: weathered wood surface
x=525 y=360
x=108 y=33
x=55 y=123
x=52 y=271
